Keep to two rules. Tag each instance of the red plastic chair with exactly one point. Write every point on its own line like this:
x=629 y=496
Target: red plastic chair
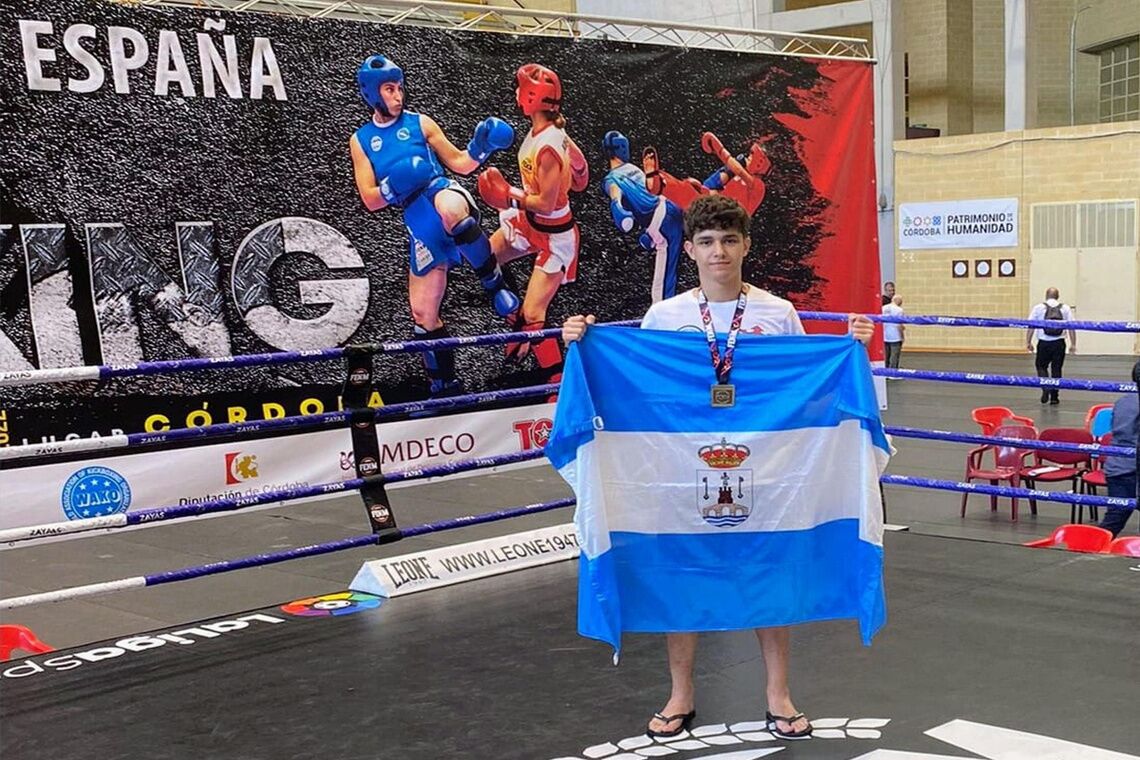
x=1009 y=461
x=1126 y=546
x=1062 y=465
x=1076 y=538
x=992 y=417
x=989 y=417
x=14 y=637
x=1095 y=478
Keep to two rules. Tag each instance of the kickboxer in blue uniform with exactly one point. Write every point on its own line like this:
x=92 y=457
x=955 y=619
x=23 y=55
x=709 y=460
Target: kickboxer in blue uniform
x=635 y=209
x=397 y=160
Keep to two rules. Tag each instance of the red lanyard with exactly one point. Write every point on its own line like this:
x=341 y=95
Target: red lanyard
x=722 y=365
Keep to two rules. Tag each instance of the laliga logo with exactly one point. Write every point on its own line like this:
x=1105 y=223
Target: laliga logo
x=724 y=500
x=240 y=467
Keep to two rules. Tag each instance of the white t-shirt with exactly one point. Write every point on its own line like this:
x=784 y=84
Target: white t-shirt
x=764 y=314
x=891 y=331
x=1038 y=312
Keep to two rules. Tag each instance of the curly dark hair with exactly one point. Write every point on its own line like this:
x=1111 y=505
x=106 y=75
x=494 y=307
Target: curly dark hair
x=715 y=212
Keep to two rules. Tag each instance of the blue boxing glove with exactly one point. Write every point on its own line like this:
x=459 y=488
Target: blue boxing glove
x=645 y=240
x=622 y=218
x=406 y=178
x=491 y=134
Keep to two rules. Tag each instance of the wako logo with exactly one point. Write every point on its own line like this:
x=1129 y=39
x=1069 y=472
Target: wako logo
x=404 y=134
x=376 y=143
x=95 y=492
x=240 y=467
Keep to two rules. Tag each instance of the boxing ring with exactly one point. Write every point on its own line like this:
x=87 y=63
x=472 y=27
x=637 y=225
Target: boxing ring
x=991 y=650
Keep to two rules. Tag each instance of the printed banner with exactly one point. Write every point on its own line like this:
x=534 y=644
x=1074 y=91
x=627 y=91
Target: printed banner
x=63 y=491
x=990 y=223
x=192 y=183
x=409 y=573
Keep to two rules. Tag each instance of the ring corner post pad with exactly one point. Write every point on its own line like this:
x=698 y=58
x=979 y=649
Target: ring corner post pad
x=365 y=443
x=381 y=517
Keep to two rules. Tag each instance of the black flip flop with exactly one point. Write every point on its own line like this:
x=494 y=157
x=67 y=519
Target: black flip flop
x=789 y=735
x=686 y=721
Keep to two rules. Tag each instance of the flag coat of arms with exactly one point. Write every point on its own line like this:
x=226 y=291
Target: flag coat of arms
x=697 y=518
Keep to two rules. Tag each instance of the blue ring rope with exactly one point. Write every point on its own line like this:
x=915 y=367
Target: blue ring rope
x=1027 y=493
x=1020 y=443
x=977 y=378
x=104 y=372
x=418 y=530
x=258 y=560
x=946 y=321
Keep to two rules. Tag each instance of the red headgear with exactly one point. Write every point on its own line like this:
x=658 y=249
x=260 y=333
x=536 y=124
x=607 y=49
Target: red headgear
x=539 y=89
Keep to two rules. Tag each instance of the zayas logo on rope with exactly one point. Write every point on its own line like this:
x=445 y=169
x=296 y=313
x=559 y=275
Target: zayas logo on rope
x=240 y=467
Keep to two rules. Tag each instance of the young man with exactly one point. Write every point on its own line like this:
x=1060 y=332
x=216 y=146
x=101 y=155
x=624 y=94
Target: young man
x=1051 y=341
x=888 y=292
x=894 y=333
x=716 y=232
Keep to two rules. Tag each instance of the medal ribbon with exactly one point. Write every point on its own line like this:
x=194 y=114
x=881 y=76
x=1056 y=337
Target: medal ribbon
x=722 y=365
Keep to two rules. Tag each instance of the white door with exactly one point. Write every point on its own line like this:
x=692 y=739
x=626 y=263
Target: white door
x=1088 y=252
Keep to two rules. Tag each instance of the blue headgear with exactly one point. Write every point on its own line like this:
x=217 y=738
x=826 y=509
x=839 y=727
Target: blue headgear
x=615 y=144
x=374 y=72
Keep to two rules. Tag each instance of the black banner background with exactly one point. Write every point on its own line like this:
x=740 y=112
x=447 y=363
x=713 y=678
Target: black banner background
x=149 y=161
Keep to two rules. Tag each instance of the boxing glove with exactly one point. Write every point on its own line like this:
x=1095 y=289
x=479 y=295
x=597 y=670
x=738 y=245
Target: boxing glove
x=622 y=218
x=491 y=134
x=497 y=192
x=406 y=178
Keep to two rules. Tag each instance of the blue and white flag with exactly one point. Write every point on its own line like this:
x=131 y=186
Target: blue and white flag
x=695 y=518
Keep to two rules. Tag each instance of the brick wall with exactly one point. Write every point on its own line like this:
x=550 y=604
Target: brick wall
x=1036 y=166
x=989 y=66
x=926 y=52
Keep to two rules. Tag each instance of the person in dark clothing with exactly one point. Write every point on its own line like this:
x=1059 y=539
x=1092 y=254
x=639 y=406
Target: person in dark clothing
x=1051 y=341
x=1120 y=472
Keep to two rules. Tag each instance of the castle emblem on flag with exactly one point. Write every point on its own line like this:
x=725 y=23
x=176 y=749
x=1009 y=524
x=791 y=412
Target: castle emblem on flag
x=724 y=493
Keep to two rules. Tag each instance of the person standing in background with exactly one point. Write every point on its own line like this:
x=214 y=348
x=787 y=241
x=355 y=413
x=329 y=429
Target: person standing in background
x=888 y=292
x=893 y=333
x=1051 y=341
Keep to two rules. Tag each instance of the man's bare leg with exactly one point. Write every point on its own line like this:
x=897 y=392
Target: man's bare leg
x=775 y=645
x=682 y=649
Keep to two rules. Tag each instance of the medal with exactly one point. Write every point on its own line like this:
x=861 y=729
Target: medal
x=722 y=394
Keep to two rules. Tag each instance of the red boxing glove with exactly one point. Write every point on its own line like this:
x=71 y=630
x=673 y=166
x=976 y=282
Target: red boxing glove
x=496 y=191
x=579 y=169
x=712 y=145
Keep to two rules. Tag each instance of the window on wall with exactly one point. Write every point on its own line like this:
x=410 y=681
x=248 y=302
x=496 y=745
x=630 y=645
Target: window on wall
x=1120 y=81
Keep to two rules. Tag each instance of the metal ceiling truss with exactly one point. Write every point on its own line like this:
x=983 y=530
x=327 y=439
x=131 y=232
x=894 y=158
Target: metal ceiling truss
x=519 y=20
